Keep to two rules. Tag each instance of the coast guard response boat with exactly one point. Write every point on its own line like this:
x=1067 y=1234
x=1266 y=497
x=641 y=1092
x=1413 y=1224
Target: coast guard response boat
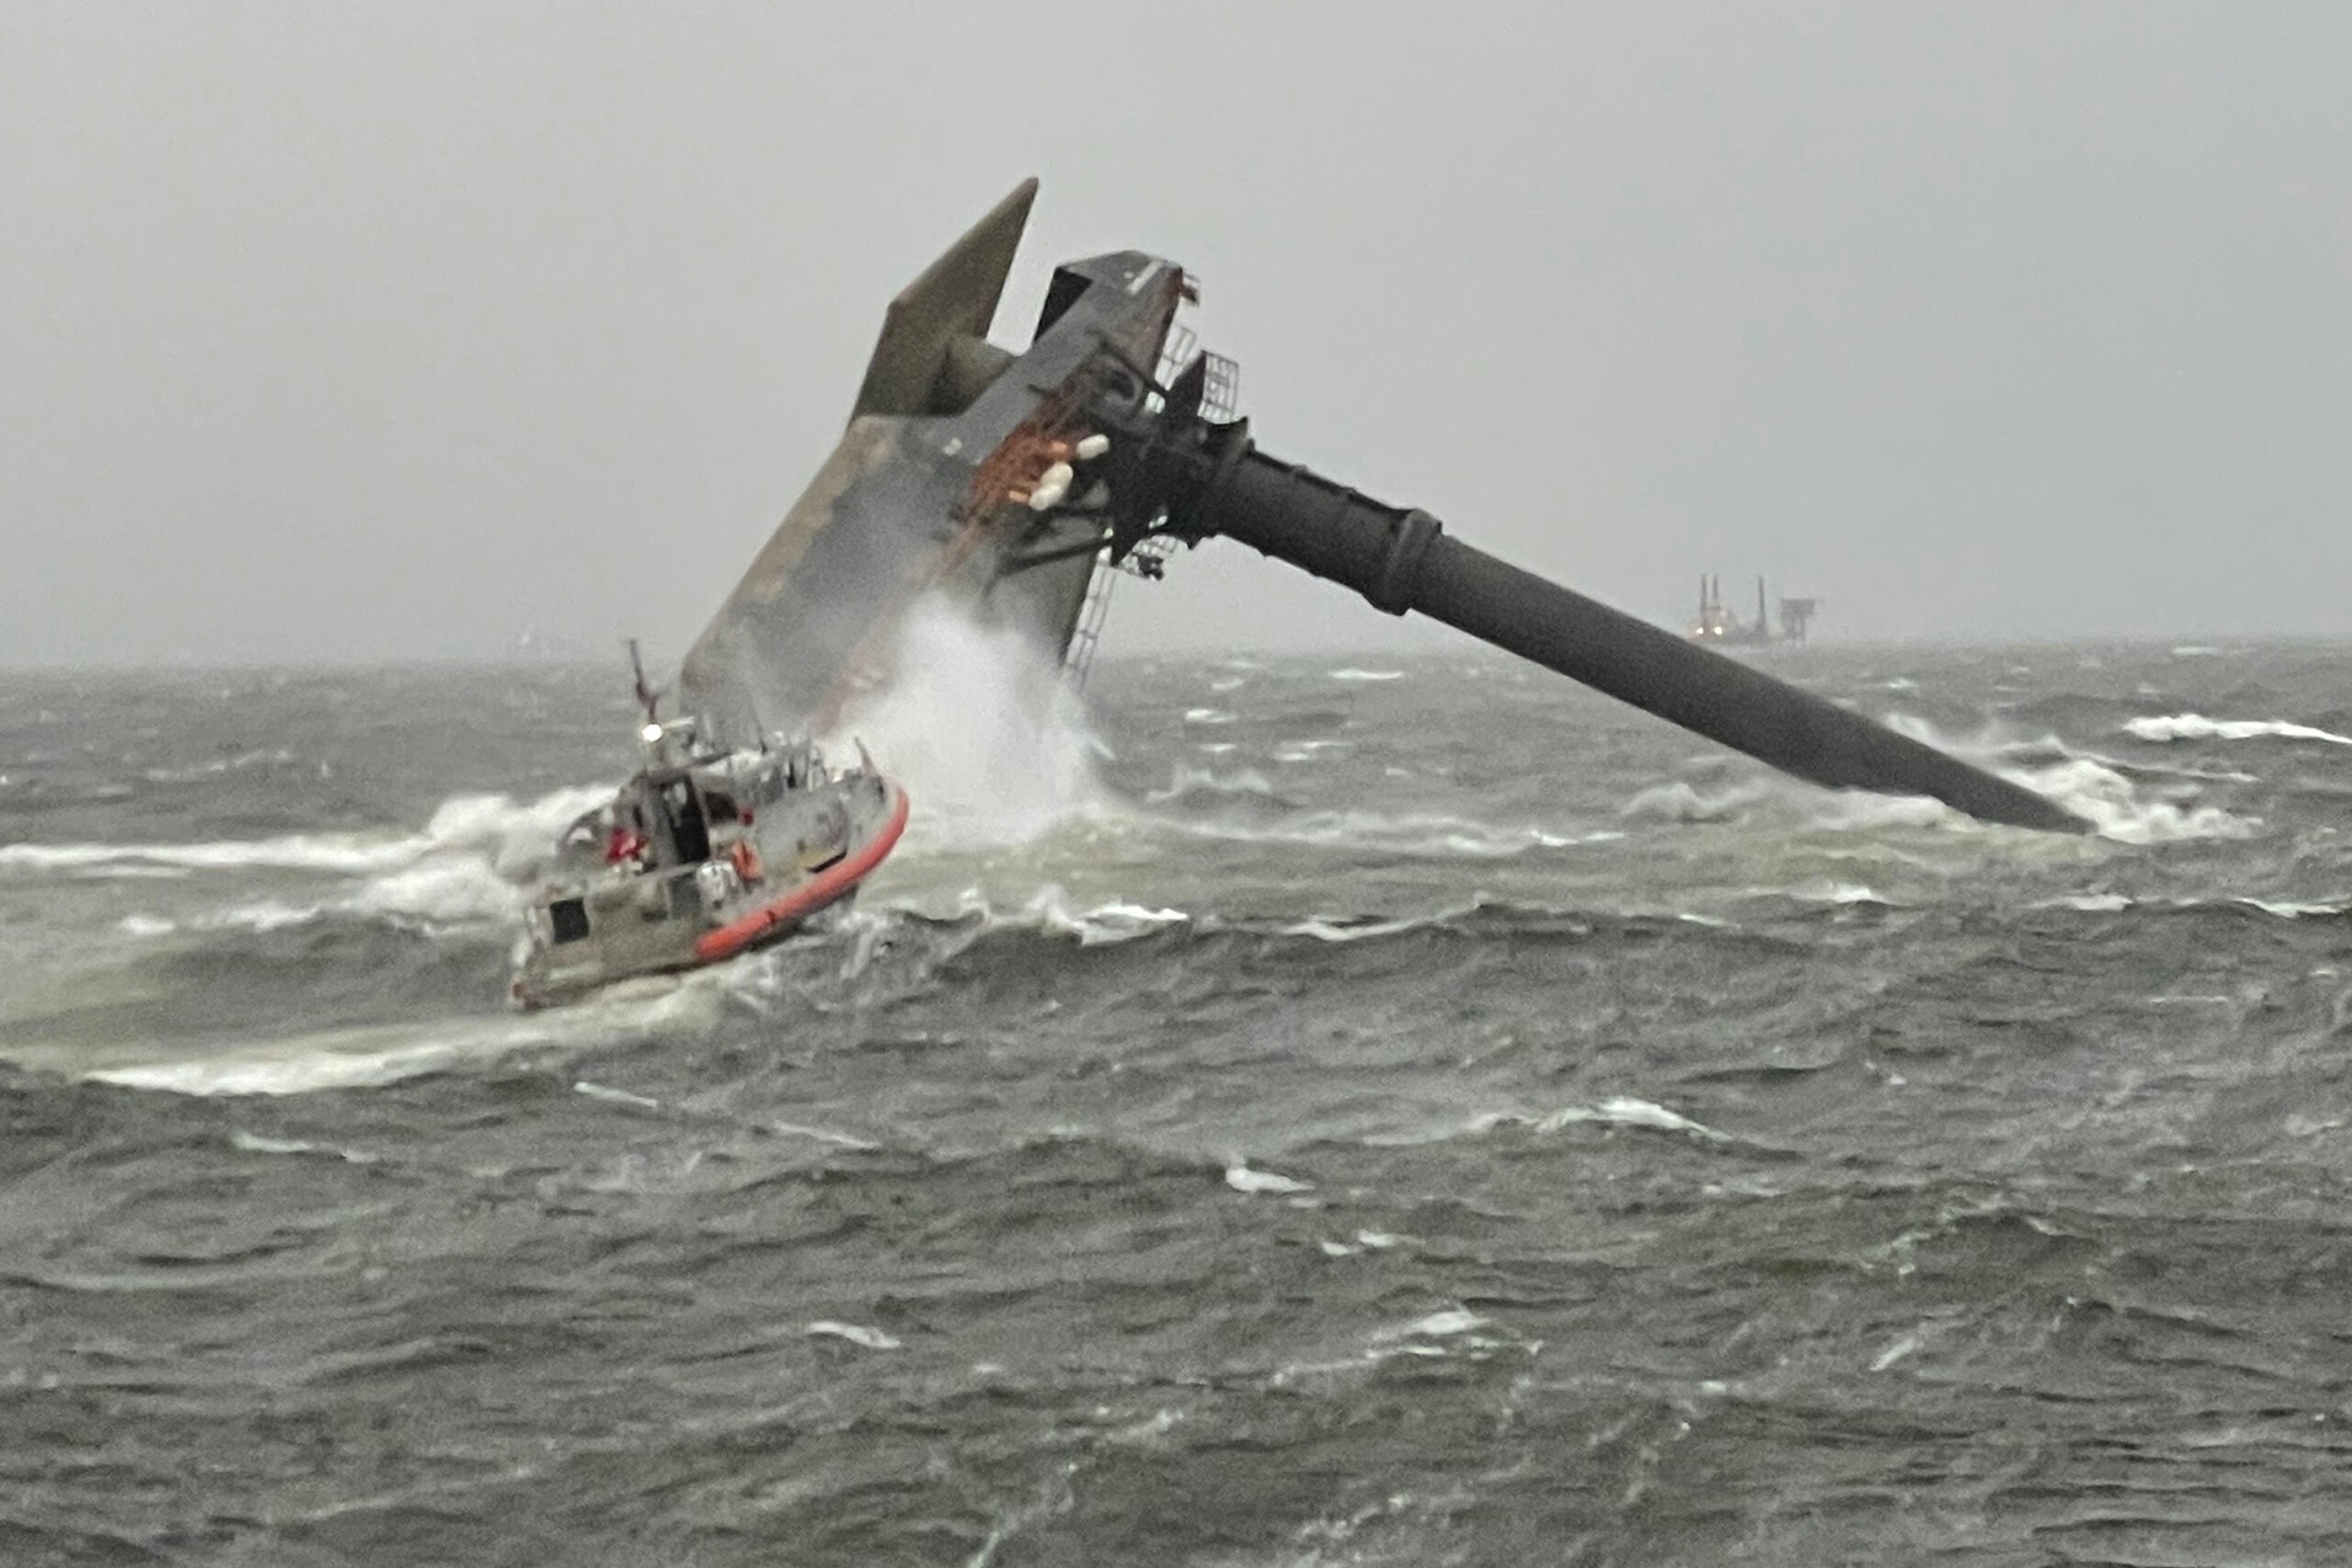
x=703 y=853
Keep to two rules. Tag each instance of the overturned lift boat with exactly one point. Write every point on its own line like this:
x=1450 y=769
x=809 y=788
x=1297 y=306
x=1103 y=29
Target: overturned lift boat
x=1014 y=483
x=703 y=853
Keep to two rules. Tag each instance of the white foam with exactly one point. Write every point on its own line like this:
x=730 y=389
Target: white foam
x=2108 y=801
x=978 y=725
x=1050 y=910
x=1353 y=674
x=1103 y=925
x=1436 y=1325
x=2197 y=726
x=1323 y=930
x=855 y=1332
x=266 y=915
x=1412 y=834
x=1207 y=715
x=350 y=853
x=2295 y=908
x=372 y=1055
x=821 y=1134
x=1853 y=811
x=614 y=1095
x=464 y=865
x=1620 y=1111
x=1242 y=1179
x=1894 y=1352
x=2090 y=789
x=147 y=925
x=254 y=1143
x=1680 y=802
x=1838 y=893
x=1187 y=780
x=2093 y=903
x=442 y=890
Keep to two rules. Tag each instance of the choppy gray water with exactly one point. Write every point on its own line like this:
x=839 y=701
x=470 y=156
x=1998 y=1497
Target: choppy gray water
x=1414 y=1113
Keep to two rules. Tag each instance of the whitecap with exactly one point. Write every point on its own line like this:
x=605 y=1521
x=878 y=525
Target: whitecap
x=1680 y=802
x=1355 y=674
x=496 y=834
x=1436 y=1325
x=372 y=1055
x=1405 y=835
x=614 y=1095
x=1339 y=929
x=2106 y=800
x=821 y=1134
x=855 y=1332
x=1838 y=893
x=266 y=915
x=2197 y=726
x=1242 y=1179
x=1894 y=1352
x=1624 y=1110
x=345 y=852
x=1102 y=925
x=254 y=1143
x=1185 y=780
x=1856 y=811
x=2294 y=909
x=2092 y=903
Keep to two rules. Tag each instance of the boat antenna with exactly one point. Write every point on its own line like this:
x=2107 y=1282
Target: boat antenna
x=645 y=695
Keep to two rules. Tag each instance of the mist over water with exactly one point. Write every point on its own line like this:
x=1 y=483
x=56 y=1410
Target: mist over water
x=1274 y=1111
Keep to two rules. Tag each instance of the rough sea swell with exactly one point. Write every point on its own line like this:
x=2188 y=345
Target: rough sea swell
x=1412 y=1112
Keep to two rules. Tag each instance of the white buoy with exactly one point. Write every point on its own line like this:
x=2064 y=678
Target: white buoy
x=1093 y=446
x=1050 y=487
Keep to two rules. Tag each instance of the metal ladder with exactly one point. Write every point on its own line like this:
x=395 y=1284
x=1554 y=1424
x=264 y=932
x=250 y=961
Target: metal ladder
x=1221 y=401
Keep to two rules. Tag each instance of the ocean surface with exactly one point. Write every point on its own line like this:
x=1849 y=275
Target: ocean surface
x=1283 y=1111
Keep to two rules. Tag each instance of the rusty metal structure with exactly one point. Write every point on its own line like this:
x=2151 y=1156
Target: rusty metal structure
x=1010 y=479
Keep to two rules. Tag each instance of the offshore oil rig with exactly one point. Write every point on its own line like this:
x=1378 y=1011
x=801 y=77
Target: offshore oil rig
x=1719 y=627
x=1018 y=481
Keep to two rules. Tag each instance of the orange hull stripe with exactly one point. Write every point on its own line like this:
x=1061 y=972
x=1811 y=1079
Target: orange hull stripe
x=809 y=897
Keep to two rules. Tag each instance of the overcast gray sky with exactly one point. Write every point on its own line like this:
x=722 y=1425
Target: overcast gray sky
x=360 y=331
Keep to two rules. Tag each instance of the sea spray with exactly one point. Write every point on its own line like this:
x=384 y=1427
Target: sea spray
x=978 y=725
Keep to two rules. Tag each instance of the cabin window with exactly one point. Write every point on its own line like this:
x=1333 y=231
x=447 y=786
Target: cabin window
x=569 y=919
x=689 y=833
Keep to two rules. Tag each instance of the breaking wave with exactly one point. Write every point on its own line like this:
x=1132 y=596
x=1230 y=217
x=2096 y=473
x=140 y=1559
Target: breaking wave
x=2093 y=788
x=1430 y=835
x=2197 y=726
x=505 y=833
x=466 y=865
x=978 y=725
x=373 y=1055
